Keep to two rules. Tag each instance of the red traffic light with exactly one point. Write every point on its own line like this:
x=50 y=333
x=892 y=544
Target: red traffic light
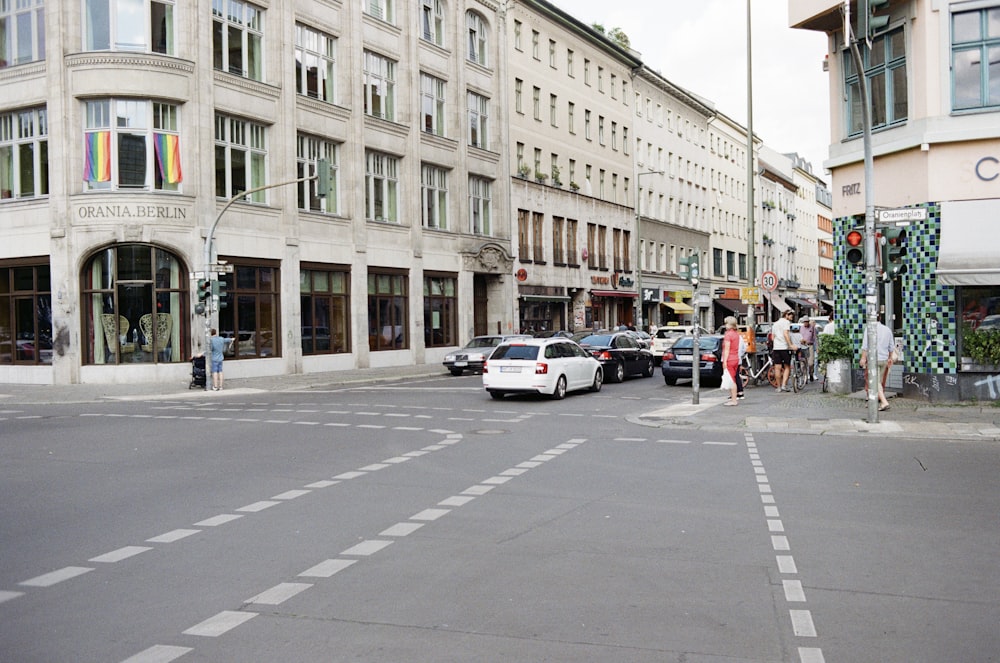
x=854 y=238
x=855 y=247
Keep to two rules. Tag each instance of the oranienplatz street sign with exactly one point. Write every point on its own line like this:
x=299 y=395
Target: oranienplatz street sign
x=902 y=214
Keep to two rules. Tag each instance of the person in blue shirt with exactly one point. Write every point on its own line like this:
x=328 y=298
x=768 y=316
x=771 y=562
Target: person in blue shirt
x=217 y=346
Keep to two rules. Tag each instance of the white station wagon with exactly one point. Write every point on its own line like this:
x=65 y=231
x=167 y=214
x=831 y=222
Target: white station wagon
x=551 y=366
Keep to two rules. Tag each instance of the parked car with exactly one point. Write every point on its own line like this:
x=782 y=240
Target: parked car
x=677 y=364
x=474 y=354
x=643 y=338
x=554 y=332
x=666 y=336
x=551 y=366
x=619 y=354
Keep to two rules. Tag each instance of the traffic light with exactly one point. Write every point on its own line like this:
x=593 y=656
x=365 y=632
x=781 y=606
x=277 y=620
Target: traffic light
x=219 y=290
x=691 y=273
x=873 y=17
x=854 y=245
x=893 y=252
x=322 y=178
x=204 y=290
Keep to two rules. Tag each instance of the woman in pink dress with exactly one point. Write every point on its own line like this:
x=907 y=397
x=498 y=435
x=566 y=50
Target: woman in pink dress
x=731 y=357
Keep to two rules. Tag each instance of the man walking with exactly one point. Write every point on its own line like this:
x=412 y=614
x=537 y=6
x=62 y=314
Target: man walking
x=884 y=345
x=781 y=335
x=808 y=332
x=217 y=347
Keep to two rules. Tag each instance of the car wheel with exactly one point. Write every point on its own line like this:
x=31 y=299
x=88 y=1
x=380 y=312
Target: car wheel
x=559 y=392
x=670 y=381
x=598 y=380
x=496 y=395
x=648 y=372
x=456 y=371
x=619 y=372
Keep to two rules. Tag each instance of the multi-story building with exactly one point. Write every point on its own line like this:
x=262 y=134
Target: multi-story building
x=569 y=110
x=824 y=246
x=777 y=193
x=161 y=116
x=803 y=212
x=932 y=73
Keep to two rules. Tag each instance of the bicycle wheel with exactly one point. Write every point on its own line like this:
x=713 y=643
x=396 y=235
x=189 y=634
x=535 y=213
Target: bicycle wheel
x=799 y=377
x=772 y=376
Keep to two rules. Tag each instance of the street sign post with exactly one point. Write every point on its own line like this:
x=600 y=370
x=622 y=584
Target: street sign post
x=902 y=214
x=769 y=281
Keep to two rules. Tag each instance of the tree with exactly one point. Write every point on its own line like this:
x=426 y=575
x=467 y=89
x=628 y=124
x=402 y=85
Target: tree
x=616 y=35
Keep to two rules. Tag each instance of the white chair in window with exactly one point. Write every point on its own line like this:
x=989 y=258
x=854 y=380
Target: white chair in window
x=117 y=336
x=163 y=325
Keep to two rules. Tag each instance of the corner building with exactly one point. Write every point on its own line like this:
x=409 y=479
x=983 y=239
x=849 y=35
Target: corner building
x=127 y=125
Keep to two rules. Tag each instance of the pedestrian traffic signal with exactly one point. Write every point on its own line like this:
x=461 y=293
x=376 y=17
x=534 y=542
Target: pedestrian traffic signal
x=691 y=269
x=893 y=252
x=204 y=290
x=219 y=290
x=854 y=245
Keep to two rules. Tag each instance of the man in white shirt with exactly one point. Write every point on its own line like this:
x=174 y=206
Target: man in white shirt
x=884 y=346
x=781 y=336
x=831 y=326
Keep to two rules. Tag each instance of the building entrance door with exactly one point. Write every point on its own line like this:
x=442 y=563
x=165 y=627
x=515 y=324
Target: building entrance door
x=480 y=317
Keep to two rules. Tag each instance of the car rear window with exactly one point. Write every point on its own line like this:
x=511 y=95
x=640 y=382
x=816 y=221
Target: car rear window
x=704 y=343
x=595 y=339
x=525 y=352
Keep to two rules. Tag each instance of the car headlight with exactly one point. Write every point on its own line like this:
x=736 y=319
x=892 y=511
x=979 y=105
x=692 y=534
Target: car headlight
x=449 y=357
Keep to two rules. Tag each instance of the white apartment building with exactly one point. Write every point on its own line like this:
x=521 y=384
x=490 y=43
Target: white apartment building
x=127 y=125
x=570 y=94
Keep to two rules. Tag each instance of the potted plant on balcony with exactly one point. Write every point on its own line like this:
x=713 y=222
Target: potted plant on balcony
x=523 y=170
x=835 y=355
x=574 y=186
x=540 y=177
x=555 y=176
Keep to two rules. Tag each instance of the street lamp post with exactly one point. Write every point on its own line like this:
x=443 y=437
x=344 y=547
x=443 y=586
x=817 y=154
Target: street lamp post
x=638 y=247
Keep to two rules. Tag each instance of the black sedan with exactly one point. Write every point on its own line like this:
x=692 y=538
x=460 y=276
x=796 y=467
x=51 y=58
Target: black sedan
x=619 y=353
x=677 y=360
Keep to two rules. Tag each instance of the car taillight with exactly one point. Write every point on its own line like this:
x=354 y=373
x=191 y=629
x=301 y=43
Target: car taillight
x=604 y=356
x=708 y=357
x=541 y=369
x=485 y=368
x=669 y=356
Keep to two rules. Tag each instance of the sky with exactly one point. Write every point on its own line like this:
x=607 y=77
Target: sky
x=700 y=45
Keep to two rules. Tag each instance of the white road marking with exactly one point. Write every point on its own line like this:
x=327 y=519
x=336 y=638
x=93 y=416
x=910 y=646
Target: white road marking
x=793 y=591
x=430 y=514
x=780 y=543
x=306 y=423
x=7 y=596
x=401 y=529
x=456 y=500
x=120 y=554
x=365 y=548
x=350 y=475
x=279 y=593
x=257 y=507
x=771 y=512
x=173 y=535
x=221 y=519
x=477 y=490
x=630 y=439
x=325 y=483
x=374 y=467
x=433 y=447
x=513 y=472
x=407 y=428
x=802 y=623
x=674 y=441
x=54 y=577
x=291 y=494
x=775 y=526
x=215 y=626
x=719 y=444
x=528 y=464
x=497 y=481
x=556 y=452
x=327 y=568
x=786 y=564
x=158 y=654
x=759 y=470
x=416 y=454
x=811 y=655
x=543 y=457
x=376 y=427
x=337 y=425
x=761 y=478
x=764 y=488
x=396 y=459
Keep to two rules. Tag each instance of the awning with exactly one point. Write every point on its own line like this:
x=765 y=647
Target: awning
x=800 y=302
x=733 y=305
x=613 y=293
x=678 y=307
x=827 y=302
x=546 y=298
x=966 y=256
x=778 y=302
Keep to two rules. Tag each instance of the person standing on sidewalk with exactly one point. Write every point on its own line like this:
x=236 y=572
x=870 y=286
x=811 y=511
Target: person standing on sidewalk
x=808 y=332
x=217 y=347
x=781 y=335
x=884 y=345
x=731 y=358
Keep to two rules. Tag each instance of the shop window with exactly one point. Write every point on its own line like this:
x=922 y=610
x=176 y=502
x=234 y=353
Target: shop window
x=25 y=313
x=980 y=323
x=388 y=313
x=135 y=306
x=326 y=309
x=440 y=311
x=249 y=322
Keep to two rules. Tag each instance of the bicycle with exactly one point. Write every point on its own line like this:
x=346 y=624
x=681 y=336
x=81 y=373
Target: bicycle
x=798 y=375
x=765 y=372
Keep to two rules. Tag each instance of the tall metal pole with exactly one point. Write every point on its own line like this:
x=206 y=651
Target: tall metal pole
x=751 y=233
x=871 y=271
x=638 y=248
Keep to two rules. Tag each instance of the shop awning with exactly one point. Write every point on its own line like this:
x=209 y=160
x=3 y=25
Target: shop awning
x=546 y=298
x=803 y=303
x=678 y=307
x=827 y=302
x=778 y=302
x=733 y=305
x=613 y=293
x=964 y=258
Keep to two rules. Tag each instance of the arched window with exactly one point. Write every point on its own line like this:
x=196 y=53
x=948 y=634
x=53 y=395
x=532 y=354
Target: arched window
x=478 y=31
x=135 y=304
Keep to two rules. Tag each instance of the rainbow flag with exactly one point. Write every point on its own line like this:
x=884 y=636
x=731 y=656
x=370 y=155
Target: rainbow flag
x=97 y=156
x=168 y=156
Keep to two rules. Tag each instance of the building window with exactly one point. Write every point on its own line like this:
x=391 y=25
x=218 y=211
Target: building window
x=602 y=247
x=518 y=95
x=536 y=103
x=24 y=154
x=975 y=58
x=524 y=235
x=553 y=112
x=614 y=135
x=600 y=129
x=115 y=25
x=534 y=44
x=479 y=206
x=625 y=139
x=569 y=63
x=440 y=311
x=517 y=35
x=432 y=21
x=381 y=187
x=383 y=10
x=131 y=144
x=135 y=306
x=22 y=32
x=571 y=225
x=325 y=299
x=586 y=71
x=388 y=315
x=25 y=313
x=552 y=53
x=240 y=158
x=478 y=107
x=379 y=86
x=592 y=245
x=558 y=247
x=434 y=197
x=237 y=38
x=614 y=86
x=600 y=79
x=309 y=150
x=538 y=237
x=315 y=64
x=570 y=113
x=885 y=67
x=616 y=241
x=252 y=316
x=432 y=96
x=478 y=31
x=717 y=263
x=586 y=124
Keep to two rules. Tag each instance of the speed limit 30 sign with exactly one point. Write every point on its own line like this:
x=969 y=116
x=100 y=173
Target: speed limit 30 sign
x=769 y=281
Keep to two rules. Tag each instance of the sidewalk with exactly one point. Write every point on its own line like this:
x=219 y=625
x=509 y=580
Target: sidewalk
x=810 y=412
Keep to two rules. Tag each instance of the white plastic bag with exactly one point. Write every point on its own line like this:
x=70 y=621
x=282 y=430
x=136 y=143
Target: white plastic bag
x=727 y=381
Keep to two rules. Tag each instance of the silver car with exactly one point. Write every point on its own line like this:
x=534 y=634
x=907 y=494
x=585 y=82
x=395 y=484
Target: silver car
x=474 y=354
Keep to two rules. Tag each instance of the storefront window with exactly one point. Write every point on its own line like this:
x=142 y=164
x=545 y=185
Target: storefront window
x=25 y=314
x=388 y=314
x=440 y=311
x=326 y=310
x=980 y=311
x=249 y=321
x=134 y=299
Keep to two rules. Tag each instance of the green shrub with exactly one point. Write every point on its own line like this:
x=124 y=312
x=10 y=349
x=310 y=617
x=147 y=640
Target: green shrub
x=982 y=345
x=835 y=346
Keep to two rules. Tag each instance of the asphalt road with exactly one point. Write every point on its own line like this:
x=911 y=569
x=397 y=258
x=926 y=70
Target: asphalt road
x=425 y=522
